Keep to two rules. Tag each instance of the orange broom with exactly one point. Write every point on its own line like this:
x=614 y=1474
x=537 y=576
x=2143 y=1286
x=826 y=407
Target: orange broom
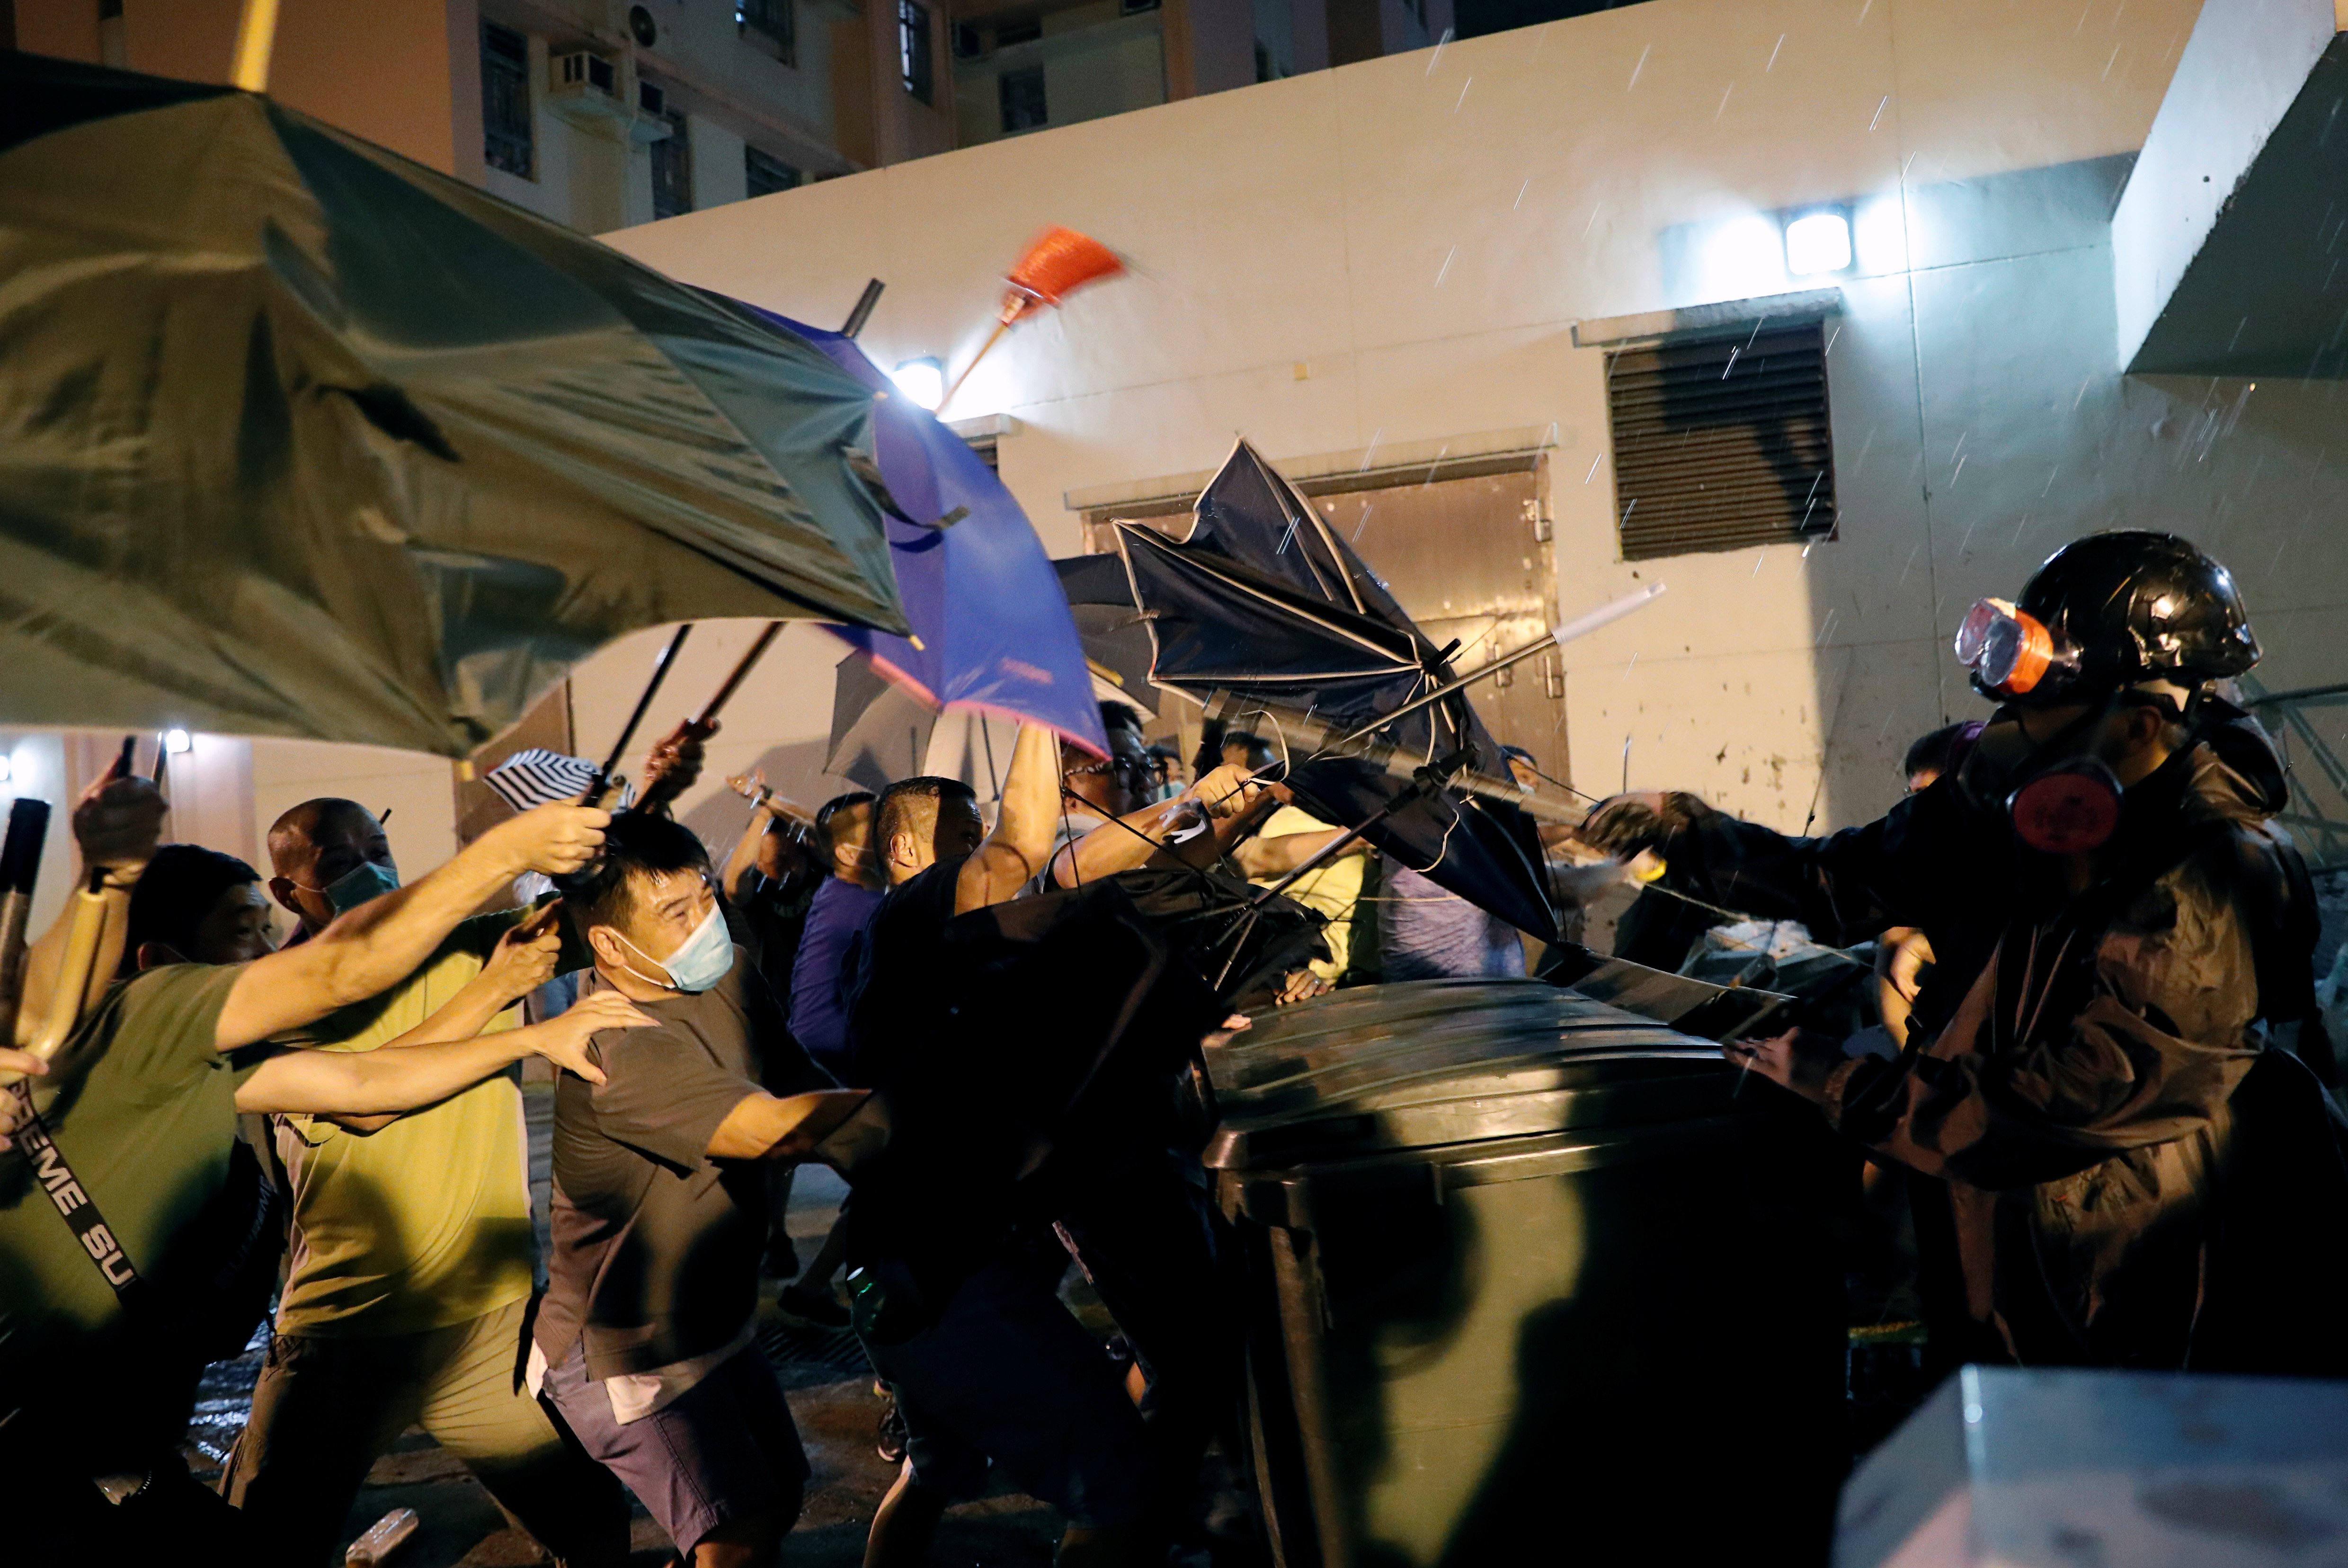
x=1054 y=265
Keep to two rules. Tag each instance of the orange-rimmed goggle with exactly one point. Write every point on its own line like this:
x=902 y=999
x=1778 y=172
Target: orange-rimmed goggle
x=2009 y=650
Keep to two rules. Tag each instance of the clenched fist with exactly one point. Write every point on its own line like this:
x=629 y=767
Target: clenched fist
x=555 y=839
x=118 y=822
x=1226 y=791
x=526 y=955
x=1627 y=824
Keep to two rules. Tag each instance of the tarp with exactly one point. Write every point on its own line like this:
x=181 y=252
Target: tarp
x=300 y=437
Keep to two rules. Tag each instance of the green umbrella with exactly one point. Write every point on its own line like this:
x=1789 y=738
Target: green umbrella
x=300 y=437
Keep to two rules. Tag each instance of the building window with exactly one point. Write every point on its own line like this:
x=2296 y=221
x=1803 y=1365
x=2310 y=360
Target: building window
x=969 y=43
x=1721 y=442
x=775 y=21
x=672 y=169
x=1024 y=105
x=913 y=48
x=506 y=141
x=763 y=174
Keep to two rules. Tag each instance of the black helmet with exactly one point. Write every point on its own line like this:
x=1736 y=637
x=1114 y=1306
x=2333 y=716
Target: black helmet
x=2105 y=611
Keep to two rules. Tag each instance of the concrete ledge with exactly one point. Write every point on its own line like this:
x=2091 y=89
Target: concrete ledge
x=1727 y=314
x=1370 y=464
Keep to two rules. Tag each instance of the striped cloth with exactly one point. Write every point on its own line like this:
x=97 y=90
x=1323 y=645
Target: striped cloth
x=537 y=777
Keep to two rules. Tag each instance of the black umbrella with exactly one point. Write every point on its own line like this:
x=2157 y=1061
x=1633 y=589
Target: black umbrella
x=1109 y=624
x=1264 y=609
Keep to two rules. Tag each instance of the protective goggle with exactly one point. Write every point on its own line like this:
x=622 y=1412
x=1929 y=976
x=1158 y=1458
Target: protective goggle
x=2011 y=652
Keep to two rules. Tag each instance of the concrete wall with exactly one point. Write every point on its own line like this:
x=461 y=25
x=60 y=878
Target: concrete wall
x=1419 y=235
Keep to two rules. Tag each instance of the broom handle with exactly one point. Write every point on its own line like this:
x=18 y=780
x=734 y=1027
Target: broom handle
x=991 y=339
x=256 y=37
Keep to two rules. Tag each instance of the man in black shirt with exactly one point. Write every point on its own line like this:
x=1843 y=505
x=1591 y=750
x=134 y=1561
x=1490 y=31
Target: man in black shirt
x=645 y=1339
x=956 y=1301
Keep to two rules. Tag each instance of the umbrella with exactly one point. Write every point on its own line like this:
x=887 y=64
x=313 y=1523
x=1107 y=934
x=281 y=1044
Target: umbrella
x=990 y=631
x=1109 y=626
x=1263 y=608
x=299 y=437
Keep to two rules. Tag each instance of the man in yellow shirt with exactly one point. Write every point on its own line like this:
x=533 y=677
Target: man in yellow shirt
x=412 y=1259
x=1289 y=838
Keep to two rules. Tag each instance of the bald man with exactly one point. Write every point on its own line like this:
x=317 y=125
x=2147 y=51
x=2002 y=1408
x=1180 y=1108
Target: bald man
x=412 y=1258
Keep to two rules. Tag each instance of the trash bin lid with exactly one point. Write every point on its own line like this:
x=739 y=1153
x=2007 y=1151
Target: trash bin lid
x=1435 y=1062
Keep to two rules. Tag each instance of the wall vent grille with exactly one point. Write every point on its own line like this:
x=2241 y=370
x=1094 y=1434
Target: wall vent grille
x=1723 y=442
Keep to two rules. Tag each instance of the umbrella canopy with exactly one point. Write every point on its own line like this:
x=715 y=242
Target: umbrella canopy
x=1109 y=626
x=300 y=437
x=1263 y=608
x=882 y=732
x=990 y=632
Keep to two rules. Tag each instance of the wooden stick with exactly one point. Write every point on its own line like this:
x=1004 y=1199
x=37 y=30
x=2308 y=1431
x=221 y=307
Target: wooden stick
x=256 y=38
x=991 y=339
x=708 y=717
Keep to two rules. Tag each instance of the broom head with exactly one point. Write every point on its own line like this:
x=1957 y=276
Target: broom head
x=1058 y=263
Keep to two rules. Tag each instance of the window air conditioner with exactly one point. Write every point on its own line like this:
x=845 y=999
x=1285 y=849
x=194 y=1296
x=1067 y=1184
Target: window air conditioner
x=577 y=74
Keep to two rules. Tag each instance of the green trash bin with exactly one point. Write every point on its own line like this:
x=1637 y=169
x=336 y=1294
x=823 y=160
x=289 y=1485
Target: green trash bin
x=1529 y=1280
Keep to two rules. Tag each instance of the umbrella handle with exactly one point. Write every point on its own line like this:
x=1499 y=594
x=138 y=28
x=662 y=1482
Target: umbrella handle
x=601 y=784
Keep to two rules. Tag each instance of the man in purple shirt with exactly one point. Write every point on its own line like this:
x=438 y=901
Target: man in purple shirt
x=843 y=904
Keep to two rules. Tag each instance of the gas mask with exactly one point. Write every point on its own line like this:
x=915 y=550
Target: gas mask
x=2056 y=804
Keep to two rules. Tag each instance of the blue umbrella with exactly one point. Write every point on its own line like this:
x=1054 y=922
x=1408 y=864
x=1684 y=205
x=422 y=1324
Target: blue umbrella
x=991 y=629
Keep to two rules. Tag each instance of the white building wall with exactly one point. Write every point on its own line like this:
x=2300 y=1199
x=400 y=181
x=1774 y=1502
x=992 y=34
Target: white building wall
x=1419 y=235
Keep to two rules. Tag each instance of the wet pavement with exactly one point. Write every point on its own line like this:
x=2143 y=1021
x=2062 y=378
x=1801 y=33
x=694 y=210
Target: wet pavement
x=828 y=1384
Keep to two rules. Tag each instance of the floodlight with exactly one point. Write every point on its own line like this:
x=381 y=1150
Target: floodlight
x=1817 y=242
x=923 y=380
x=177 y=741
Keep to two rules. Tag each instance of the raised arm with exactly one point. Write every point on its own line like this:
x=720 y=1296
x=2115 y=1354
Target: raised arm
x=1225 y=799
x=525 y=960
x=1015 y=852
x=369 y=1083
x=382 y=942
x=116 y=824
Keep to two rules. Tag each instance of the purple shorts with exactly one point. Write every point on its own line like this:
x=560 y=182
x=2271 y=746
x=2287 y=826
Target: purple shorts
x=725 y=1448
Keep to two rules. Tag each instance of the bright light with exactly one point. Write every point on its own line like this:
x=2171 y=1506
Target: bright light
x=177 y=741
x=923 y=380
x=1819 y=242
x=6 y=767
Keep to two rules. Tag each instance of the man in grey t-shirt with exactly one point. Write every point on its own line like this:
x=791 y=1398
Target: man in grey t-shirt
x=645 y=1340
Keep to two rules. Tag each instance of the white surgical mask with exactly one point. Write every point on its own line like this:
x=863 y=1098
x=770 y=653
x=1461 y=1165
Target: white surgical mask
x=700 y=962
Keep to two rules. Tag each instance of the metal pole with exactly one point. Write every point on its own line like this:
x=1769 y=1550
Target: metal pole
x=863 y=311
x=597 y=786
x=1566 y=633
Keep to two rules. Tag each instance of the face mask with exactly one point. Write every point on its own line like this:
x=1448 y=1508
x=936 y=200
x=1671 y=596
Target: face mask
x=362 y=883
x=701 y=962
